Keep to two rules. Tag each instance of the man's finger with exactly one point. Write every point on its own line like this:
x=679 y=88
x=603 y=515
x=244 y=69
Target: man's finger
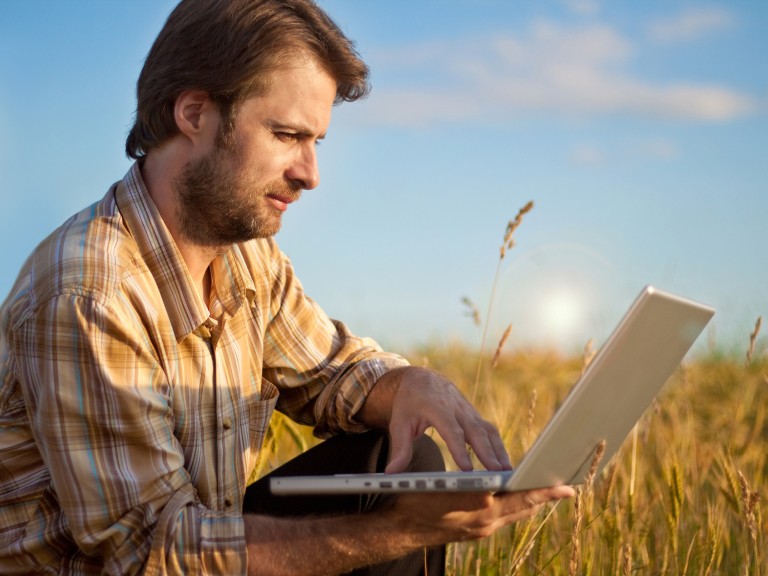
x=456 y=442
x=488 y=446
x=522 y=504
x=401 y=449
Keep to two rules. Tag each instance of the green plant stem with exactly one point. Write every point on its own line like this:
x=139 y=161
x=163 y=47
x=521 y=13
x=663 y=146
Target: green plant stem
x=485 y=330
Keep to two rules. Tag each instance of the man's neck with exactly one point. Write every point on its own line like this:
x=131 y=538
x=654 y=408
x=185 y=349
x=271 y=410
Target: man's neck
x=158 y=171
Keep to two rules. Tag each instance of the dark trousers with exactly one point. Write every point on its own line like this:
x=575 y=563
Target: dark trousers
x=349 y=454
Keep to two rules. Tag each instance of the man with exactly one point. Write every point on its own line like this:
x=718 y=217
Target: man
x=147 y=341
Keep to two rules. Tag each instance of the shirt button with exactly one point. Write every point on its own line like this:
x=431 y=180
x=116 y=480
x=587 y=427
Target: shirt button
x=227 y=423
x=228 y=502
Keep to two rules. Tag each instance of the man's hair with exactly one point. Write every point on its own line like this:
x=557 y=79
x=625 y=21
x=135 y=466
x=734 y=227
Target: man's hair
x=228 y=48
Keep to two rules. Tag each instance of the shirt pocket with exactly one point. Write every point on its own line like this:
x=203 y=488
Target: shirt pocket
x=259 y=414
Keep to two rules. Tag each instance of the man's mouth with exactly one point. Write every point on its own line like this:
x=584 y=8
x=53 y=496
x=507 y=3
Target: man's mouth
x=281 y=202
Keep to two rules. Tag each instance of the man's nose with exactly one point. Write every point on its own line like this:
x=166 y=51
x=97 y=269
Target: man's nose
x=304 y=170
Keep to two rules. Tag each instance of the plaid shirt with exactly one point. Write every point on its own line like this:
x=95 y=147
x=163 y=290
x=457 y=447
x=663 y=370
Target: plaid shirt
x=131 y=415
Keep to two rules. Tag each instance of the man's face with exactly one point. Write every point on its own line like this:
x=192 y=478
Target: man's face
x=239 y=188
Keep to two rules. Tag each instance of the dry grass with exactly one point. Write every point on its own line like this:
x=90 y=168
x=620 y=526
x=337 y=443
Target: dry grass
x=685 y=499
x=507 y=244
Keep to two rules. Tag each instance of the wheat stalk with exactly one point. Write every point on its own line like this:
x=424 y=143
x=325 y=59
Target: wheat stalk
x=588 y=356
x=580 y=503
x=688 y=556
x=712 y=550
x=599 y=451
x=472 y=310
x=578 y=509
x=672 y=516
x=609 y=484
x=632 y=479
x=749 y=501
x=518 y=562
x=529 y=434
x=512 y=225
x=526 y=550
x=753 y=339
x=626 y=559
x=502 y=341
x=507 y=244
x=732 y=496
x=452 y=558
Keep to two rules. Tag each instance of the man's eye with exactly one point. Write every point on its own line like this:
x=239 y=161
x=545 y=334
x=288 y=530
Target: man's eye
x=287 y=136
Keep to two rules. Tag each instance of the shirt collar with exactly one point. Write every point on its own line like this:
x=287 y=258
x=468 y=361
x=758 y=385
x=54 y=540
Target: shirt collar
x=186 y=309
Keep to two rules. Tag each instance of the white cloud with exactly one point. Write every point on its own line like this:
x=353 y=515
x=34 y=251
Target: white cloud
x=590 y=155
x=583 y=7
x=690 y=25
x=587 y=155
x=659 y=148
x=551 y=69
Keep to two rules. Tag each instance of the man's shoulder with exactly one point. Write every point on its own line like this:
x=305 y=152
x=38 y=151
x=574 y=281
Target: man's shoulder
x=89 y=255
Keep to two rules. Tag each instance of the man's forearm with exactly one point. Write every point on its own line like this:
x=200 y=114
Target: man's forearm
x=332 y=545
x=377 y=410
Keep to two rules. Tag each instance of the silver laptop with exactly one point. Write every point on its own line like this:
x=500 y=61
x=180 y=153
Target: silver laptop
x=604 y=405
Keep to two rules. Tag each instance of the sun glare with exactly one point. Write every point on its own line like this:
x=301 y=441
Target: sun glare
x=559 y=296
x=562 y=312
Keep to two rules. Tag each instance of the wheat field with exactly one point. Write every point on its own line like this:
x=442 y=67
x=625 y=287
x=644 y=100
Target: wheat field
x=682 y=496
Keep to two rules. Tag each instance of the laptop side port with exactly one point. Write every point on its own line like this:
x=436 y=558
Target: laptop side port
x=469 y=483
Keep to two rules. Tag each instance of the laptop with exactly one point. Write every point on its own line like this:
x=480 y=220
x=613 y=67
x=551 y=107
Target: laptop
x=603 y=406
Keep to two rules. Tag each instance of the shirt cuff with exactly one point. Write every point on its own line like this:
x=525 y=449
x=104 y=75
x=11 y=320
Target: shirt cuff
x=338 y=404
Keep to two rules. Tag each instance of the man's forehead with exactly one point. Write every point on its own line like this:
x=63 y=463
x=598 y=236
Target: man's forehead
x=299 y=96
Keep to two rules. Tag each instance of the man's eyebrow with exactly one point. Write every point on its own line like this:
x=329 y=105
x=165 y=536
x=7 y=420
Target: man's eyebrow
x=300 y=129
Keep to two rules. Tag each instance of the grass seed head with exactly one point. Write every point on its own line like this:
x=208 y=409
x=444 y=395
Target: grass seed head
x=512 y=225
x=471 y=311
x=502 y=341
x=588 y=356
x=753 y=339
x=749 y=500
x=599 y=451
x=626 y=559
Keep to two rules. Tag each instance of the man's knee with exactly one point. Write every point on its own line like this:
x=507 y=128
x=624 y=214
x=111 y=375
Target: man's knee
x=427 y=456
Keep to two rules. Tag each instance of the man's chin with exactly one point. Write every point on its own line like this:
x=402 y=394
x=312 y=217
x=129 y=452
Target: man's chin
x=236 y=233
x=265 y=230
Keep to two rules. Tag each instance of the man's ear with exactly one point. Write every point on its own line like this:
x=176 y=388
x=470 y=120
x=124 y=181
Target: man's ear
x=196 y=115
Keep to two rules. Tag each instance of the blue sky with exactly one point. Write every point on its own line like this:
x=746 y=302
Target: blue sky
x=637 y=128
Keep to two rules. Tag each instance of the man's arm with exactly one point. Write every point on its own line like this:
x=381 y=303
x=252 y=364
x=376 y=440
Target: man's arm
x=409 y=400
x=334 y=545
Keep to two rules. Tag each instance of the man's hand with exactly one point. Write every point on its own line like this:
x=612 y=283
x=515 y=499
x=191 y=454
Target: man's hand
x=409 y=400
x=453 y=517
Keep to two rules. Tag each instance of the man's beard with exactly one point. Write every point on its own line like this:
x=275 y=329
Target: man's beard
x=218 y=206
